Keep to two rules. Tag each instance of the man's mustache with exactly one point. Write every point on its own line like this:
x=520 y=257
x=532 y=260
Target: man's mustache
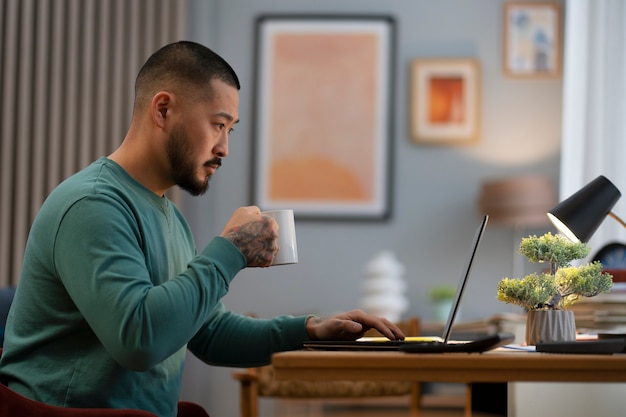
x=216 y=162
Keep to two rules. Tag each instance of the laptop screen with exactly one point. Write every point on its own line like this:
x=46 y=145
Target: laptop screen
x=463 y=281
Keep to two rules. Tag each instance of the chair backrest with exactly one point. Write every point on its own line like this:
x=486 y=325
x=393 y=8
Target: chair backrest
x=14 y=404
x=6 y=298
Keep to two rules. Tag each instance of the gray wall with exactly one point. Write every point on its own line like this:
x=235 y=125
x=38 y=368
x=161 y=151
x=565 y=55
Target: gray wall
x=435 y=188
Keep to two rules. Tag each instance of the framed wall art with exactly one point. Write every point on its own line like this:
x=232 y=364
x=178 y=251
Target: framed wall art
x=445 y=101
x=532 y=40
x=322 y=128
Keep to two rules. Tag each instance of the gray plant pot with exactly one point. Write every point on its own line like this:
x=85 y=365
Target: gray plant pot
x=550 y=326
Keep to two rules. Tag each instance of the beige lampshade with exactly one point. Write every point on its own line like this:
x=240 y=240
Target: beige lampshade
x=518 y=201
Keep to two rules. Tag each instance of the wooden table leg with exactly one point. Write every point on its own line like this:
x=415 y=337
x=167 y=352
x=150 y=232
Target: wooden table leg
x=468 y=400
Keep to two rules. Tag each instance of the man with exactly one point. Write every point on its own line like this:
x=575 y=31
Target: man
x=113 y=290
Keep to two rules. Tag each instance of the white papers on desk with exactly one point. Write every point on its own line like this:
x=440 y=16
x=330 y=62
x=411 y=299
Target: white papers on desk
x=519 y=347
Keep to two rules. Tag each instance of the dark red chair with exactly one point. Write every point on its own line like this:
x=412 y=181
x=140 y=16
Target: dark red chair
x=13 y=404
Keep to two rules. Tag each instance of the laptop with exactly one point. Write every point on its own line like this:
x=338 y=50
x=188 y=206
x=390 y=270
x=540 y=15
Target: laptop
x=429 y=344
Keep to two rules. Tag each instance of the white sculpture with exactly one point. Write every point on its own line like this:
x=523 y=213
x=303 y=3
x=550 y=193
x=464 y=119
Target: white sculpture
x=384 y=287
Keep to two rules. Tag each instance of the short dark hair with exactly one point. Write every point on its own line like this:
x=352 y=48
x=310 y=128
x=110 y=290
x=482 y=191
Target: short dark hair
x=182 y=65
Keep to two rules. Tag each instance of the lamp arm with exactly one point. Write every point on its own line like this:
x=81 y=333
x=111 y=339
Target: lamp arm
x=616 y=217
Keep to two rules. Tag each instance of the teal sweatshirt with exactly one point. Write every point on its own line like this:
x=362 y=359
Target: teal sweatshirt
x=112 y=293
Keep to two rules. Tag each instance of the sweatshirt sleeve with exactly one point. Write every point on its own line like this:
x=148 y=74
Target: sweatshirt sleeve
x=230 y=339
x=107 y=262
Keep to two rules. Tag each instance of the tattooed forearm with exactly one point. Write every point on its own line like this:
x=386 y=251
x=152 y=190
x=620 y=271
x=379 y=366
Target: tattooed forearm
x=255 y=241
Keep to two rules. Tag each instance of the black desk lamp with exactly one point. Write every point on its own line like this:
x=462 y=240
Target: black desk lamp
x=579 y=216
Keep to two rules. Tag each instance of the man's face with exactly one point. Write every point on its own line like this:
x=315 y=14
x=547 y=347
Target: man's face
x=197 y=145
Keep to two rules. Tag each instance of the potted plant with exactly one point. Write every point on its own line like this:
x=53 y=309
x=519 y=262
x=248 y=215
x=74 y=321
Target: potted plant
x=547 y=296
x=442 y=296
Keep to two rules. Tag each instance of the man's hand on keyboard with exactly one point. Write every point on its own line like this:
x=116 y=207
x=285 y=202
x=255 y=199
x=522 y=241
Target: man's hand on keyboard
x=350 y=326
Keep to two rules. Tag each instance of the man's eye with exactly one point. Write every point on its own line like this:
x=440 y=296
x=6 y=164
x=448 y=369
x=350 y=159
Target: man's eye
x=222 y=126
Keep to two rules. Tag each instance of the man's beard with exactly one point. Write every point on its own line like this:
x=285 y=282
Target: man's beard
x=181 y=159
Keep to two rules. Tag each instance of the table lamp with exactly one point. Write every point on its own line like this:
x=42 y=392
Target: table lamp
x=580 y=215
x=518 y=202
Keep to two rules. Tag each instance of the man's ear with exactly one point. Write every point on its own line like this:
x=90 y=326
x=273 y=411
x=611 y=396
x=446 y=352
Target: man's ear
x=160 y=104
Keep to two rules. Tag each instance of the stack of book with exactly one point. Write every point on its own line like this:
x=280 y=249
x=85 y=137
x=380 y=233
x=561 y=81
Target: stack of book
x=604 y=312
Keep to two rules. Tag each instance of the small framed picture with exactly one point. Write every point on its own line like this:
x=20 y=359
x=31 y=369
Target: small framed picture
x=445 y=101
x=322 y=116
x=532 y=40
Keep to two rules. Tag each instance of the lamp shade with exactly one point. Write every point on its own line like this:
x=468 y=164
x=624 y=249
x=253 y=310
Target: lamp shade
x=517 y=201
x=580 y=215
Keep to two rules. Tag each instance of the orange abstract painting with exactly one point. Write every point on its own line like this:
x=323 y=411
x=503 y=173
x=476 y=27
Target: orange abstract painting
x=446 y=100
x=322 y=116
x=322 y=137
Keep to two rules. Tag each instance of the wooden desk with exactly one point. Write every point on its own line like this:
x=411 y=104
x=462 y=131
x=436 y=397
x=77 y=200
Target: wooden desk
x=495 y=366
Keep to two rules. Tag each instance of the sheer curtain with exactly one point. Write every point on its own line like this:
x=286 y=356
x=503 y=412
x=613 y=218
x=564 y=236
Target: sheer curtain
x=594 y=104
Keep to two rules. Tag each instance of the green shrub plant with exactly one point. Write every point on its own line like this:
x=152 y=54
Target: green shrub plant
x=563 y=285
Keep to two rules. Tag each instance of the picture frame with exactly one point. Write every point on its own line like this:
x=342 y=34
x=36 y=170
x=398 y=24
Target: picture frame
x=532 y=40
x=322 y=134
x=445 y=101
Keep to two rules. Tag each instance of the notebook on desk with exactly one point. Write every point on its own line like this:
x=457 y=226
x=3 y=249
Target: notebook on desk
x=429 y=344
x=604 y=344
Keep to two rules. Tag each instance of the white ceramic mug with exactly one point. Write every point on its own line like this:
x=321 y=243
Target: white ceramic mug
x=288 y=249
